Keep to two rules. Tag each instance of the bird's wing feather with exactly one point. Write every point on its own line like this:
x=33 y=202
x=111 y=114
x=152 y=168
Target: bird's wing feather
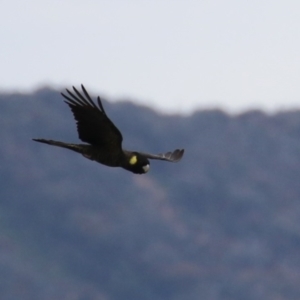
x=174 y=156
x=93 y=125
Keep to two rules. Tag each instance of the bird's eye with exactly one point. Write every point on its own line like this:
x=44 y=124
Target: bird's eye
x=146 y=168
x=133 y=160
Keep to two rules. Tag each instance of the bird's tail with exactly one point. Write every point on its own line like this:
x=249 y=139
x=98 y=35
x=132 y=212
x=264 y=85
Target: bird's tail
x=73 y=147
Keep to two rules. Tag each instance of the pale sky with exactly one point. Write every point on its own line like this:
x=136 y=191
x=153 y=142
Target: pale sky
x=170 y=54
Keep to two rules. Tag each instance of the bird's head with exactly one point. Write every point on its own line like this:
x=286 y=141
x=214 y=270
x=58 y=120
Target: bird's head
x=137 y=163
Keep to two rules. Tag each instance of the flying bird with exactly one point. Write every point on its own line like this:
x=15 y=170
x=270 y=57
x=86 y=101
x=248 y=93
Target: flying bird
x=103 y=138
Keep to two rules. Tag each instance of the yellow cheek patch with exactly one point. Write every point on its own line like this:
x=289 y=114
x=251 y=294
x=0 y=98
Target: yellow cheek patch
x=133 y=160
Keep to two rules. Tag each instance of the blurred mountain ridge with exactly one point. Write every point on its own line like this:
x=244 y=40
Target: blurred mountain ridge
x=221 y=224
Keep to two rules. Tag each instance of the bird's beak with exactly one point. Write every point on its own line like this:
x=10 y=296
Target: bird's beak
x=146 y=168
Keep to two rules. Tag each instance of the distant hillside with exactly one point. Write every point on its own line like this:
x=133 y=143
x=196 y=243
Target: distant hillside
x=224 y=223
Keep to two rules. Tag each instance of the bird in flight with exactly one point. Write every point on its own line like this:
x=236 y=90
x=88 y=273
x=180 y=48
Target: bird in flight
x=103 y=138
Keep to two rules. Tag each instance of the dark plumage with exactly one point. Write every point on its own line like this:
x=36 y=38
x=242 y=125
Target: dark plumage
x=103 y=138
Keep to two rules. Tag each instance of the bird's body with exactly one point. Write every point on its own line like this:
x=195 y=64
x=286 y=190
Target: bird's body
x=104 y=138
x=96 y=153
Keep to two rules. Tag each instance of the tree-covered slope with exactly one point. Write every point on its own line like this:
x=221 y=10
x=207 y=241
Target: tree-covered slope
x=221 y=224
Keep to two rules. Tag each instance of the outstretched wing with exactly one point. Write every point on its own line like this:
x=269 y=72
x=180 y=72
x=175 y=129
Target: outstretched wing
x=93 y=125
x=174 y=156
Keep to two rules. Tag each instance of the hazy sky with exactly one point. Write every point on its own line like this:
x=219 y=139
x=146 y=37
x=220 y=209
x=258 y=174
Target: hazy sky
x=175 y=55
